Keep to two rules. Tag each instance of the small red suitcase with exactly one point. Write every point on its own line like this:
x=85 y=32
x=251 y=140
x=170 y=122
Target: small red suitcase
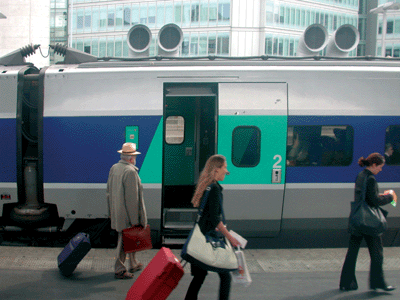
x=136 y=238
x=158 y=279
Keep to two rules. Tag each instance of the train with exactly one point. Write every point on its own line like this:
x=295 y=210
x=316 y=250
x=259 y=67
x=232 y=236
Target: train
x=292 y=130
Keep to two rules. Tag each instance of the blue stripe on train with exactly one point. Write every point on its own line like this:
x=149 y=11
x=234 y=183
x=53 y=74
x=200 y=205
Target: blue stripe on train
x=83 y=149
x=369 y=137
x=8 y=150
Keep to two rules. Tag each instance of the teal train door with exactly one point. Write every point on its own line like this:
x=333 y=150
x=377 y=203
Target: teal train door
x=252 y=131
x=189 y=139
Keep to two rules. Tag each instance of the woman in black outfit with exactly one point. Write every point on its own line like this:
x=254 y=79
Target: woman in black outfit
x=373 y=163
x=214 y=170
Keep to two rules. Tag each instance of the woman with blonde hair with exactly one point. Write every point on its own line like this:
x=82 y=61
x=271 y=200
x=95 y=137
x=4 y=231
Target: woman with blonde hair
x=214 y=170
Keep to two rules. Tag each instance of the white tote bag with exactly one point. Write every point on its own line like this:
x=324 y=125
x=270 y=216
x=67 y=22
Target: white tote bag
x=208 y=253
x=212 y=251
x=241 y=275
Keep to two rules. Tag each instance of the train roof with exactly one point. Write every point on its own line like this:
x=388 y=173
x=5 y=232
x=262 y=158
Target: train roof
x=314 y=61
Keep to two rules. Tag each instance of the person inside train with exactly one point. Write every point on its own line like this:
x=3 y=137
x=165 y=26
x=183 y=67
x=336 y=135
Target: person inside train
x=298 y=153
x=214 y=170
x=388 y=153
x=393 y=138
x=125 y=205
x=373 y=165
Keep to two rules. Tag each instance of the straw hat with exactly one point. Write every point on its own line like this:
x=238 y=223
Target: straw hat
x=129 y=149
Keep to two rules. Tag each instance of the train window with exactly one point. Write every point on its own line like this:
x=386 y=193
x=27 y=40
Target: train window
x=174 y=130
x=392 y=145
x=246 y=145
x=319 y=145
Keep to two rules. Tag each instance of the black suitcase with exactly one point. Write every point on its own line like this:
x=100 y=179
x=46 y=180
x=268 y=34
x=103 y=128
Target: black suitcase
x=73 y=253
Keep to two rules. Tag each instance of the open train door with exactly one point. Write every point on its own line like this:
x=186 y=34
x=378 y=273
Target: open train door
x=252 y=131
x=189 y=139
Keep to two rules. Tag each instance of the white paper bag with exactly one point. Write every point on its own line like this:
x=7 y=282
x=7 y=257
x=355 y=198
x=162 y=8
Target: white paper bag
x=241 y=275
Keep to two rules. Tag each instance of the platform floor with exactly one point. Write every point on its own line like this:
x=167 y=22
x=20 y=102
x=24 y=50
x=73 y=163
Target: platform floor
x=32 y=273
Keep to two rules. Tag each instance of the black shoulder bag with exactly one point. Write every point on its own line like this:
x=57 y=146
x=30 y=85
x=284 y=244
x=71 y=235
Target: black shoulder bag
x=365 y=219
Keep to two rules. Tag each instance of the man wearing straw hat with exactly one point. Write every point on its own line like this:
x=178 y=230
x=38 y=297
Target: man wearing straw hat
x=125 y=205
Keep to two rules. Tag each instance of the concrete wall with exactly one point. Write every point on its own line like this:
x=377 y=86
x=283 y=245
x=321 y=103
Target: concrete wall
x=28 y=21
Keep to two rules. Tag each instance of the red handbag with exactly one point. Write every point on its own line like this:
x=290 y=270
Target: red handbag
x=136 y=238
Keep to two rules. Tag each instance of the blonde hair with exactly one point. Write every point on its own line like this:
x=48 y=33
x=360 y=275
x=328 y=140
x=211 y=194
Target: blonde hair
x=207 y=176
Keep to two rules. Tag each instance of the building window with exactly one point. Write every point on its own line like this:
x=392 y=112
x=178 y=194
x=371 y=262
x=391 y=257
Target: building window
x=103 y=18
x=88 y=21
x=152 y=16
x=212 y=41
x=397 y=26
x=95 y=47
x=203 y=13
x=194 y=45
x=389 y=29
x=195 y=12
x=223 y=44
x=224 y=12
x=95 y=19
x=127 y=16
x=103 y=47
x=79 y=23
x=160 y=15
x=135 y=14
x=119 y=16
x=178 y=13
x=212 y=12
x=110 y=19
x=246 y=146
x=203 y=44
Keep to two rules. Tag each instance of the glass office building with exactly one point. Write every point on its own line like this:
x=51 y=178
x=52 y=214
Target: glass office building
x=286 y=21
x=392 y=38
x=210 y=27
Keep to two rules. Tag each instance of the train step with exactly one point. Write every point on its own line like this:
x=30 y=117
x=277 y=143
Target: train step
x=179 y=218
x=173 y=241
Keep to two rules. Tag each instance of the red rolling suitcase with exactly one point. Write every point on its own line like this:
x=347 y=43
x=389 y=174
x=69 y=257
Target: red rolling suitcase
x=158 y=279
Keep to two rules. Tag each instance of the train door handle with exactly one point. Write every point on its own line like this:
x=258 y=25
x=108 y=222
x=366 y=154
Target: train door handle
x=276 y=175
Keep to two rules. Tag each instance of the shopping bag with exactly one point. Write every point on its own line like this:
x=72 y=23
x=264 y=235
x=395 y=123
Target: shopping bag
x=136 y=238
x=241 y=275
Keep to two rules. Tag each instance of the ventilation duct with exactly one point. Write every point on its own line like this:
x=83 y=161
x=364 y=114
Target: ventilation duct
x=139 y=39
x=170 y=38
x=342 y=41
x=313 y=40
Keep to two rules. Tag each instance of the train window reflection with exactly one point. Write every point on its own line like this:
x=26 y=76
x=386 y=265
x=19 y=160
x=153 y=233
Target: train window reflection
x=246 y=144
x=392 y=145
x=174 y=130
x=319 y=145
